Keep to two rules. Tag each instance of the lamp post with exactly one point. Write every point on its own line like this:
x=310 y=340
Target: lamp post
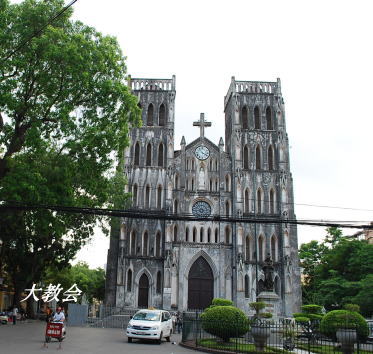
x=1 y=277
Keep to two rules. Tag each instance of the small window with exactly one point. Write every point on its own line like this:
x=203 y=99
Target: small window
x=150 y=115
x=257 y=158
x=158 y=245
x=247 y=286
x=162 y=115
x=137 y=154
x=269 y=118
x=160 y=155
x=129 y=280
x=246 y=158
x=159 y=197
x=259 y=201
x=256 y=118
x=247 y=201
x=216 y=236
x=270 y=158
x=187 y=234
x=227 y=235
x=175 y=233
x=194 y=234
x=244 y=118
x=149 y=155
x=134 y=195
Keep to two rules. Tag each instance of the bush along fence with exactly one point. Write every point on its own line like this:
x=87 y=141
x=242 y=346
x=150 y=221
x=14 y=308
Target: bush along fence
x=238 y=336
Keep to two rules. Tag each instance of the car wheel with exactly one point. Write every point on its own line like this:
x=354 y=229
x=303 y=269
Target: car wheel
x=129 y=339
x=160 y=338
x=169 y=336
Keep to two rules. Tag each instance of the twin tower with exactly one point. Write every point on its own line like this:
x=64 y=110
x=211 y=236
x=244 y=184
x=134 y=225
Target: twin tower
x=184 y=264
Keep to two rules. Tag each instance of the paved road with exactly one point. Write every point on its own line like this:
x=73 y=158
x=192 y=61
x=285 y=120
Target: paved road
x=28 y=338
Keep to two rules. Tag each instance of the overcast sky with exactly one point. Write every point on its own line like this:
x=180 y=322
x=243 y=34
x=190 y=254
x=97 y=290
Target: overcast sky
x=321 y=50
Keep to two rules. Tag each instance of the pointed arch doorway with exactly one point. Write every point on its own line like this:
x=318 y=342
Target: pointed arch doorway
x=200 y=285
x=143 y=300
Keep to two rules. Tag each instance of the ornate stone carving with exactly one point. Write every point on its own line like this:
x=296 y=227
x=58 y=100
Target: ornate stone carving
x=266 y=178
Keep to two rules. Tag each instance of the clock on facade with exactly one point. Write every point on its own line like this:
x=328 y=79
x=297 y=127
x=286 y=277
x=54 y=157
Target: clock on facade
x=202 y=152
x=201 y=209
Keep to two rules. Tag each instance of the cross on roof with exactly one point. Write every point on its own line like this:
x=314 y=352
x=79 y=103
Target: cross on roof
x=202 y=124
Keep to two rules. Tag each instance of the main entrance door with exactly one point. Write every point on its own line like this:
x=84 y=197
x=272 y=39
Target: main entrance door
x=200 y=285
x=143 y=291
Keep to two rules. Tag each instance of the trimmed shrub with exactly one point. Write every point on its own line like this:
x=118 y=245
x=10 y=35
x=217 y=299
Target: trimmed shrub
x=225 y=322
x=297 y=314
x=301 y=319
x=221 y=302
x=312 y=309
x=352 y=307
x=336 y=319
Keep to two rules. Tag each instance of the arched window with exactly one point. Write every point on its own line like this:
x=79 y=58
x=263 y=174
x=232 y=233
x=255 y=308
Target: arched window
x=246 y=157
x=150 y=115
x=259 y=201
x=258 y=163
x=271 y=201
x=194 y=234
x=192 y=184
x=162 y=115
x=187 y=164
x=192 y=165
x=269 y=118
x=247 y=201
x=261 y=248
x=216 y=236
x=137 y=154
x=149 y=155
x=160 y=155
x=176 y=206
x=133 y=243
x=145 y=244
x=201 y=235
x=270 y=158
x=187 y=184
x=208 y=235
x=247 y=286
x=187 y=234
x=159 y=197
x=147 y=197
x=227 y=235
x=247 y=249
x=158 y=245
x=175 y=233
x=227 y=183
x=216 y=185
x=244 y=118
x=134 y=195
x=227 y=211
x=176 y=181
x=159 y=282
x=129 y=280
x=256 y=118
x=216 y=165
x=210 y=184
x=274 y=248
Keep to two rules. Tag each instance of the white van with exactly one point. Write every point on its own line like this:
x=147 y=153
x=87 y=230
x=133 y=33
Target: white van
x=150 y=324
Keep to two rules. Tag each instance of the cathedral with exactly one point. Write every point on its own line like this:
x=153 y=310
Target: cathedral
x=183 y=263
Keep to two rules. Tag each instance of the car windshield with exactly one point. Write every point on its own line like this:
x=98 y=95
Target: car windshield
x=146 y=316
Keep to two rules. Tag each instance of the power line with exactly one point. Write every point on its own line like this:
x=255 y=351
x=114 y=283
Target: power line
x=163 y=215
x=250 y=199
x=39 y=31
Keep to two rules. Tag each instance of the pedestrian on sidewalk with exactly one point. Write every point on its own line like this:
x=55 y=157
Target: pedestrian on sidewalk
x=14 y=314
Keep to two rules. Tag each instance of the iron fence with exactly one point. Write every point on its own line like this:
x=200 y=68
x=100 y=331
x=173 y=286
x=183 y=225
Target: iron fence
x=267 y=337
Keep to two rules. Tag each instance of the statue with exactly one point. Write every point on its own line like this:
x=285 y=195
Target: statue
x=268 y=273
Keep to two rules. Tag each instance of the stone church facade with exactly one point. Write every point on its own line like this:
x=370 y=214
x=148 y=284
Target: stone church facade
x=245 y=179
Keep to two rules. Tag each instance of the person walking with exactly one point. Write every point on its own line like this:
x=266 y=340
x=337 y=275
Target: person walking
x=14 y=314
x=179 y=322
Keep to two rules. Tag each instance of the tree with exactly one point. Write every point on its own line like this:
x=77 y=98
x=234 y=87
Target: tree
x=90 y=281
x=66 y=86
x=64 y=110
x=337 y=271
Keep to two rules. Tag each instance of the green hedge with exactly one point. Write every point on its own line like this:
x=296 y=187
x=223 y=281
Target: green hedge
x=225 y=322
x=336 y=319
x=221 y=302
x=314 y=309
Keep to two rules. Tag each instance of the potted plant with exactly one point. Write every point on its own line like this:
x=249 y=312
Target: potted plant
x=260 y=328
